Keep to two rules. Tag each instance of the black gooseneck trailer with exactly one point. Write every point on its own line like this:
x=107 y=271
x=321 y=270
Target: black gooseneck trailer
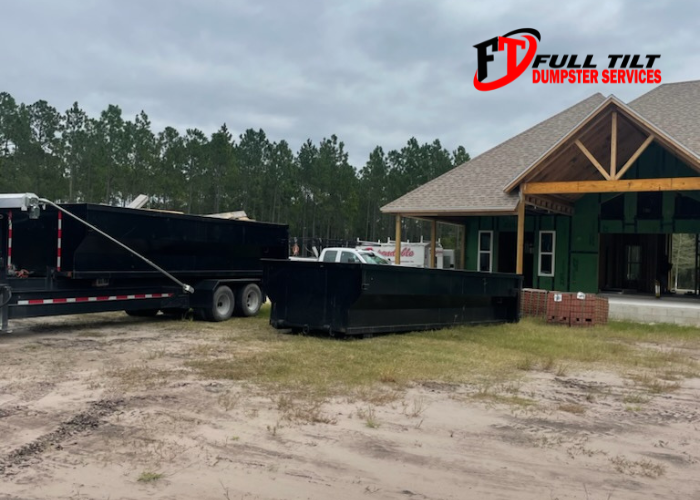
x=83 y=258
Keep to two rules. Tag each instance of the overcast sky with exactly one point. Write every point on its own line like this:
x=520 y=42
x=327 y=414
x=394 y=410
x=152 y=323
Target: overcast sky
x=374 y=72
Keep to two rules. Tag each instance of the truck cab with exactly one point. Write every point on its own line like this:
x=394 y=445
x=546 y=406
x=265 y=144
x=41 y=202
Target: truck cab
x=351 y=255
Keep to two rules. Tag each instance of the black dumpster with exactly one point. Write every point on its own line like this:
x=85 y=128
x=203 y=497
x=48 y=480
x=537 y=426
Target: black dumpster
x=359 y=299
x=185 y=245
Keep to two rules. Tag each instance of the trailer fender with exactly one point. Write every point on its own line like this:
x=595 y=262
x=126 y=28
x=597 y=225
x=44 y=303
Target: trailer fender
x=204 y=293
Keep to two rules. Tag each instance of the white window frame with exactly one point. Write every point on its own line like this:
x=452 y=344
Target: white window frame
x=540 y=253
x=479 y=251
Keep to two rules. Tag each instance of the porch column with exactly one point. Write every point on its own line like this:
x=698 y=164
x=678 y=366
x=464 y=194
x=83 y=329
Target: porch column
x=521 y=235
x=397 y=253
x=433 y=240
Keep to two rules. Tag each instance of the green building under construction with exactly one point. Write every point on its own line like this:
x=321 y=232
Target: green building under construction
x=586 y=200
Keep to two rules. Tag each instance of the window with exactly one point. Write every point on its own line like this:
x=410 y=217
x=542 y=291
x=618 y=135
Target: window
x=330 y=256
x=546 y=255
x=348 y=257
x=485 y=251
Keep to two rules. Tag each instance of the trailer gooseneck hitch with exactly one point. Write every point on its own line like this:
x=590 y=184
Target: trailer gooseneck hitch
x=187 y=288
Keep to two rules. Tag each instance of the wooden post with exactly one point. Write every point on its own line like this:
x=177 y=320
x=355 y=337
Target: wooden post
x=397 y=253
x=521 y=235
x=433 y=242
x=613 y=147
x=463 y=249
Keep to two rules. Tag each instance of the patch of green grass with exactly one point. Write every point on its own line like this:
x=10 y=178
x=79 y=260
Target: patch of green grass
x=645 y=468
x=149 y=477
x=254 y=352
x=574 y=408
x=138 y=377
x=369 y=416
x=91 y=334
x=636 y=399
x=654 y=384
x=505 y=399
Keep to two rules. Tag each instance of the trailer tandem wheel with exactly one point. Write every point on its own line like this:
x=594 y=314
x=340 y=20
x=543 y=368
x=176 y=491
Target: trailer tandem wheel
x=249 y=299
x=222 y=305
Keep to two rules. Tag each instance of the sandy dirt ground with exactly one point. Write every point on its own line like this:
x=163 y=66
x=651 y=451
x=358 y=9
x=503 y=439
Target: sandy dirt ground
x=104 y=407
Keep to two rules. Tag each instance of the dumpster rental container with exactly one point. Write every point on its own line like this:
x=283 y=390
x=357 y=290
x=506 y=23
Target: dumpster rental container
x=360 y=299
x=79 y=258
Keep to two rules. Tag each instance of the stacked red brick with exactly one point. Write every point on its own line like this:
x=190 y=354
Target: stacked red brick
x=533 y=303
x=559 y=308
x=562 y=308
x=581 y=309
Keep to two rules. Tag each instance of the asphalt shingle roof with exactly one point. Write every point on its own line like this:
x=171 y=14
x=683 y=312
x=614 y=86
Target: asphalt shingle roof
x=675 y=109
x=478 y=184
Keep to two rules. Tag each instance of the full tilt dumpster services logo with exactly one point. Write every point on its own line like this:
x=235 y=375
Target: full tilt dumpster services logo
x=521 y=52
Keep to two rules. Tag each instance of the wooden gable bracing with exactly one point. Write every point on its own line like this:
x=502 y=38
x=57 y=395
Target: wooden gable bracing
x=595 y=156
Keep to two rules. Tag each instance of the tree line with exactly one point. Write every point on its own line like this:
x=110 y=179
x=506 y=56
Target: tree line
x=72 y=157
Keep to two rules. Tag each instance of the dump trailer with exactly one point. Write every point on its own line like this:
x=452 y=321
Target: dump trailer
x=363 y=299
x=81 y=258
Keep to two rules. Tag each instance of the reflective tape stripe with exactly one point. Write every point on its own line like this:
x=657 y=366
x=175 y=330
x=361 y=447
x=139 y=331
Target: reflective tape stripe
x=9 y=239
x=58 y=244
x=99 y=298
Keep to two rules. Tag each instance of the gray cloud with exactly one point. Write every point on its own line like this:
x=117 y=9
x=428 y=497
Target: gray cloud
x=373 y=72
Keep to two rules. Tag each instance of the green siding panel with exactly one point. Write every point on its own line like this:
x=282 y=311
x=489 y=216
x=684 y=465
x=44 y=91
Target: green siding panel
x=508 y=223
x=585 y=225
x=486 y=223
x=630 y=207
x=668 y=207
x=584 y=272
x=611 y=226
x=561 y=258
x=472 y=227
x=648 y=226
x=687 y=226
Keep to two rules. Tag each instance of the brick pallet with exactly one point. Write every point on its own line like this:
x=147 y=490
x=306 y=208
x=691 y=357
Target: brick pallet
x=559 y=308
x=577 y=309
x=533 y=303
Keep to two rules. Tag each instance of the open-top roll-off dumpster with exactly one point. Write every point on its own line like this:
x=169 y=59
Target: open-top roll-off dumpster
x=361 y=299
x=81 y=258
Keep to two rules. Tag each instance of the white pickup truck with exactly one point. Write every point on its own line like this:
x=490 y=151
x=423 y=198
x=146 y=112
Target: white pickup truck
x=350 y=255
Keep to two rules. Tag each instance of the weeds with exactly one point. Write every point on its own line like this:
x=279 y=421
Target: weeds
x=369 y=416
x=230 y=400
x=91 y=334
x=645 y=468
x=463 y=355
x=636 y=399
x=574 y=408
x=138 y=376
x=149 y=477
x=654 y=384
x=308 y=410
x=417 y=407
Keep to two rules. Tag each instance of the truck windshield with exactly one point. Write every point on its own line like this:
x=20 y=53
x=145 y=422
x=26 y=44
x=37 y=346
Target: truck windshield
x=372 y=258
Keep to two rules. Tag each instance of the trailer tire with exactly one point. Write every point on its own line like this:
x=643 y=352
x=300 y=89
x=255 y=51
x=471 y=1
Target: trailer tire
x=249 y=299
x=222 y=305
x=142 y=313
